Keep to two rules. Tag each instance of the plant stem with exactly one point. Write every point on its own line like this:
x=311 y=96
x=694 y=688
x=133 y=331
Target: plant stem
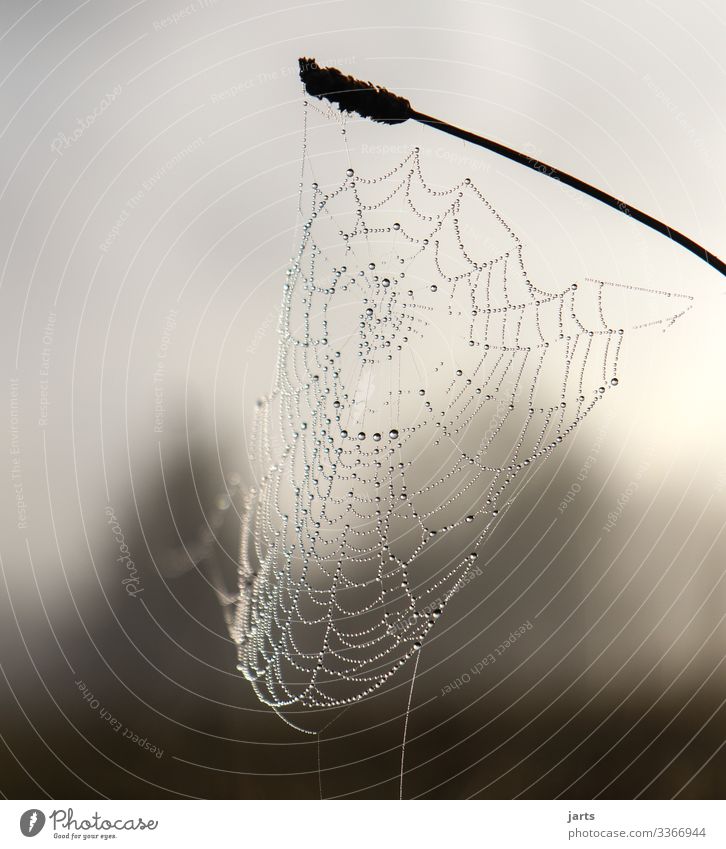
x=576 y=183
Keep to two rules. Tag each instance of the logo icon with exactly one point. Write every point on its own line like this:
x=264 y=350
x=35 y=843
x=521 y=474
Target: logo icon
x=32 y=822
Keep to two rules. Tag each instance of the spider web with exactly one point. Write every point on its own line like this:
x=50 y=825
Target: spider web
x=421 y=376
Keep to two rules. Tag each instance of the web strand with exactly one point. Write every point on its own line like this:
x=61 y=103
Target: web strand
x=421 y=375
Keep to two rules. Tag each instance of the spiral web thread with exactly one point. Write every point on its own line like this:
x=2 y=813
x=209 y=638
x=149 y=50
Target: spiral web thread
x=420 y=377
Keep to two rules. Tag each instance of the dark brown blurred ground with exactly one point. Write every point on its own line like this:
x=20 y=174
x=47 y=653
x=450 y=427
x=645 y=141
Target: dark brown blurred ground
x=166 y=671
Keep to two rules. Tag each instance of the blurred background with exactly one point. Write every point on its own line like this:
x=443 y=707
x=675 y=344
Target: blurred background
x=148 y=186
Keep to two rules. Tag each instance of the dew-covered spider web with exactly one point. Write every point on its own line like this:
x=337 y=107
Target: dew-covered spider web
x=421 y=376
